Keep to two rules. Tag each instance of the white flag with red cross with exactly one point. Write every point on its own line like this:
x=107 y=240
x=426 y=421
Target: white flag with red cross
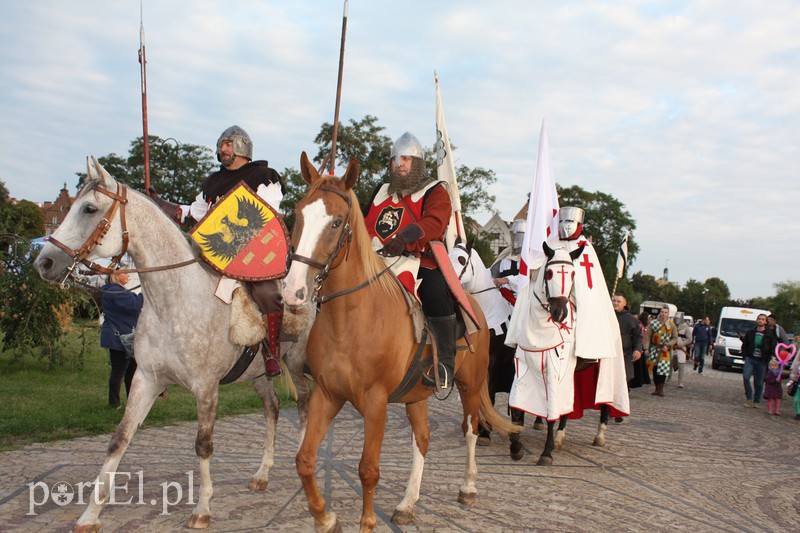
x=542 y=219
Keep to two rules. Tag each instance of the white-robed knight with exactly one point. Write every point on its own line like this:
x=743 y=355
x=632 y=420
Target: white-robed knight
x=546 y=358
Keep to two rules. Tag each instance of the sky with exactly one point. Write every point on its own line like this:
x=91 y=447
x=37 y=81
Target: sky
x=687 y=111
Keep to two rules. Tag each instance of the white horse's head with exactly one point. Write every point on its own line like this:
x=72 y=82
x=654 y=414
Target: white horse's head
x=464 y=265
x=89 y=231
x=559 y=274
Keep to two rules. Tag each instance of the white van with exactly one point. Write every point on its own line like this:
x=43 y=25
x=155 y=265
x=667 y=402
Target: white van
x=734 y=322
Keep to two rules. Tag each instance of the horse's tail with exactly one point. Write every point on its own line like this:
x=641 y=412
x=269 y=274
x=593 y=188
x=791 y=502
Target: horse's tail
x=489 y=413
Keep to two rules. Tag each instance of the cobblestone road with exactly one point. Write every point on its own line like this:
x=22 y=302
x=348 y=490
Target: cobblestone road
x=697 y=460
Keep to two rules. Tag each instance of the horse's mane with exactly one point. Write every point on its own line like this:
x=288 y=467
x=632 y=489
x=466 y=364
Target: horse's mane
x=373 y=263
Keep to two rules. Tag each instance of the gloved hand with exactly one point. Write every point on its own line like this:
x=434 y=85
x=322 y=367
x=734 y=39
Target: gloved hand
x=394 y=247
x=173 y=211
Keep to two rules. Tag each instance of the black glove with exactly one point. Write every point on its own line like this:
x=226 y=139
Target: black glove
x=393 y=248
x=411 y=233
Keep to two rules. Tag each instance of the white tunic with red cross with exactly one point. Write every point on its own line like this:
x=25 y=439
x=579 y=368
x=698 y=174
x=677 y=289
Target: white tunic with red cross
x=596 y=327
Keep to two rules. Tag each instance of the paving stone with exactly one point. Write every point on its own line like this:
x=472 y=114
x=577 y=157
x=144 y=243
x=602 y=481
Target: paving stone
x=696 y=460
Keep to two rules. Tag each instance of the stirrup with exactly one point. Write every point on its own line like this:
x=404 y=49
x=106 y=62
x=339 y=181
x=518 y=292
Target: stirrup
x=429 y=378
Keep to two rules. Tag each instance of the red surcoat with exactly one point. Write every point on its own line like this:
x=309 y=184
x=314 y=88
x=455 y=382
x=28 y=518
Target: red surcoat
x=429 y=208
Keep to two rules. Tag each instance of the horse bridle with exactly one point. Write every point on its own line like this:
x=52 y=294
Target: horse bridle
x=79 y=256
x=546 y=304
x=345 y=237
x=96 y=237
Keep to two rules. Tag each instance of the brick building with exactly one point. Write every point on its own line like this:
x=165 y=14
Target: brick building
x=56 y=212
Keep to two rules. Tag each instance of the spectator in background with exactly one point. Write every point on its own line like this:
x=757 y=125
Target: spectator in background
x=773 y=390
x=780 y=333
x=121 y=309
x=794 y=374
x=641 y=374
x=702 y=341
x=758 y=346
x=660 y=337
x=631 y=332
x=683 y=345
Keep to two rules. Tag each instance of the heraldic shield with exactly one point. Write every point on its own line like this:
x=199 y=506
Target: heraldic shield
x=243 y=238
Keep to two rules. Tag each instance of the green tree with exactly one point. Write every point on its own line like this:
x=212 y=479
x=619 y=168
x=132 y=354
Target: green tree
x=363 y=140
x=606 y=221
x=23 y=219
x=177 y=170
x=4 y=194
x=34 y=316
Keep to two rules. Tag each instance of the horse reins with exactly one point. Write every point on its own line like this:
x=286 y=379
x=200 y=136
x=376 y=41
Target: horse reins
x=79 y=256
x=345 y=237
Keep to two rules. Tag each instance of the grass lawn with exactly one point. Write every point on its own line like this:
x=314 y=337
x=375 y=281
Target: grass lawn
x=38 y=404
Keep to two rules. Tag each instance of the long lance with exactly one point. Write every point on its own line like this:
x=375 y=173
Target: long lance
x=143 y=70
x=338 y=91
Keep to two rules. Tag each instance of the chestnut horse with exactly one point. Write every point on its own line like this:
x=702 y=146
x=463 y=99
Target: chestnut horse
x=362 y=344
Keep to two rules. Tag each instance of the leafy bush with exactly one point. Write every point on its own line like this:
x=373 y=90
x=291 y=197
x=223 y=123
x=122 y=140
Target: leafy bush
x=34 y=313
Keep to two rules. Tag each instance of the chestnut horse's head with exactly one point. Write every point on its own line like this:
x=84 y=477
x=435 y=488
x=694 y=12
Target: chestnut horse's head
x=322 y=230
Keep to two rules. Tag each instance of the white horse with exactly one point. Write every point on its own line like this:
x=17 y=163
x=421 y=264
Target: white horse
x=477 y=280
x=182 y=335
x=548 y=369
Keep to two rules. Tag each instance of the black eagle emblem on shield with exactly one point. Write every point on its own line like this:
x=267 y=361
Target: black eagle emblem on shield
x=237 y=231
x=388 y=222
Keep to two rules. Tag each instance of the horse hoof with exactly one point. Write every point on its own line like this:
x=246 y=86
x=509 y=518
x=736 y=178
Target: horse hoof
x=516 y=451
x=599 y=442
x=87 y=528
x=257 y=484
x=467 y=498
x=538 y=425
x=484 y=441
x=403 y=518
x=544 y=461
x=199 y=521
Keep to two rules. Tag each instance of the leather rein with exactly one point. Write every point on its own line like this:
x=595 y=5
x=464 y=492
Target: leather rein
x=79 y=256
x=345 y=238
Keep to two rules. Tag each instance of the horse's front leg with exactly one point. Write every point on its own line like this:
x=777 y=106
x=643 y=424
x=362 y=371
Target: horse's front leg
x=417 y=413
x=321 y=411
x=516 y=449
x=600 y=438
x=143 y=393
x=561 y=433
x=546 y=459
x=369 y=466
x=272 y=407
x=204 y=448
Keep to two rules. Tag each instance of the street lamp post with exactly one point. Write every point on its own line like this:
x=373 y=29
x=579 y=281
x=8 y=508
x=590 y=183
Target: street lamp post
x=705 y=291
x=173 y=153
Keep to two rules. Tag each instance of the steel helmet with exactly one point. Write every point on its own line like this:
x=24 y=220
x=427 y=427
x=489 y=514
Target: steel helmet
x=517 y=235
x=570 y=222
x=407 y=145
x=242 y=145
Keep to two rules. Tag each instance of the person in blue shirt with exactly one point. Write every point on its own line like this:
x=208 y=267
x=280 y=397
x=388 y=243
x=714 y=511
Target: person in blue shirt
x=121 y=309
x=702 y=341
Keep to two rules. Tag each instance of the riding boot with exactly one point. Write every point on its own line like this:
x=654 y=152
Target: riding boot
x=267 y=297
x=443 y=329
x=173 y=211
x=271 y=346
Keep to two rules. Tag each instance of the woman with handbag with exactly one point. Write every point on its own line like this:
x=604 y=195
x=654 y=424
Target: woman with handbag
x=121 y=309
x=659 y=339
